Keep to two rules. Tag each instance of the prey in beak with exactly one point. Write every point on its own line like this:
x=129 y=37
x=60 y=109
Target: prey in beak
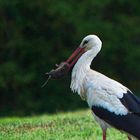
x=64 y=67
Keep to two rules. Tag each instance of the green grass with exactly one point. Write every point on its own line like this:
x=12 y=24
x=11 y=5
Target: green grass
x=77 y=125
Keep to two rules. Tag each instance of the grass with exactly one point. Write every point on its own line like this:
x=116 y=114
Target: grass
x=77 y=125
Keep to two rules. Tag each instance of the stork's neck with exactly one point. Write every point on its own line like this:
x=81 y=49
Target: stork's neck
x=81 y=69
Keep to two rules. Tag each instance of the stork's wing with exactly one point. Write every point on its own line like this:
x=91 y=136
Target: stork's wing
x=131 y=102
x=129 y=123
x=115 y=104
x=115 y=94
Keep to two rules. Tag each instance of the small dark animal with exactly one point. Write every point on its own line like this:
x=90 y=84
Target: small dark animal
x=61 y=70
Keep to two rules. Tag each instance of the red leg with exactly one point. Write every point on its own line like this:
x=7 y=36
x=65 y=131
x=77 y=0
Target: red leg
x=129 y=138
x=104 y=134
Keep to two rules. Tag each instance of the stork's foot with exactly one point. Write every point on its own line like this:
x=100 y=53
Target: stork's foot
x=129 y=138
x=104 y=134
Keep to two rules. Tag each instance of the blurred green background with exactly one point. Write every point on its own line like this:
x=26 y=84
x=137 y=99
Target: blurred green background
x=36 y=34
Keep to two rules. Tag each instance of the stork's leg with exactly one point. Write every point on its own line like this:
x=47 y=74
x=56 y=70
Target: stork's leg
x=129 y=138
x=104 y=134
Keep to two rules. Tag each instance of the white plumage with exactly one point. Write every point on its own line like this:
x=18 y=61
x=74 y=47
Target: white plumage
x=97 y=89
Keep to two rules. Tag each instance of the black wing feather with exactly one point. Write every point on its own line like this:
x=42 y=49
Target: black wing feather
x=131 y=102
x=129 y=123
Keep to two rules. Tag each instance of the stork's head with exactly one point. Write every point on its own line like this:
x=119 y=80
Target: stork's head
x=90 y=42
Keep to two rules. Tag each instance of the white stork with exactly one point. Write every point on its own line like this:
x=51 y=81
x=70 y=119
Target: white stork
x=112 y=104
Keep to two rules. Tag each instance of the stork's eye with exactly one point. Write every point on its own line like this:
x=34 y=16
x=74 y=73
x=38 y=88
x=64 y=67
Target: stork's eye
x=85 y=42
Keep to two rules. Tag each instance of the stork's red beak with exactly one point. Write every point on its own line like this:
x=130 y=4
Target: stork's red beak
x=75 y=56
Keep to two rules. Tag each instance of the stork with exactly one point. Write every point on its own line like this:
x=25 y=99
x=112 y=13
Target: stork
x=112 y=104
